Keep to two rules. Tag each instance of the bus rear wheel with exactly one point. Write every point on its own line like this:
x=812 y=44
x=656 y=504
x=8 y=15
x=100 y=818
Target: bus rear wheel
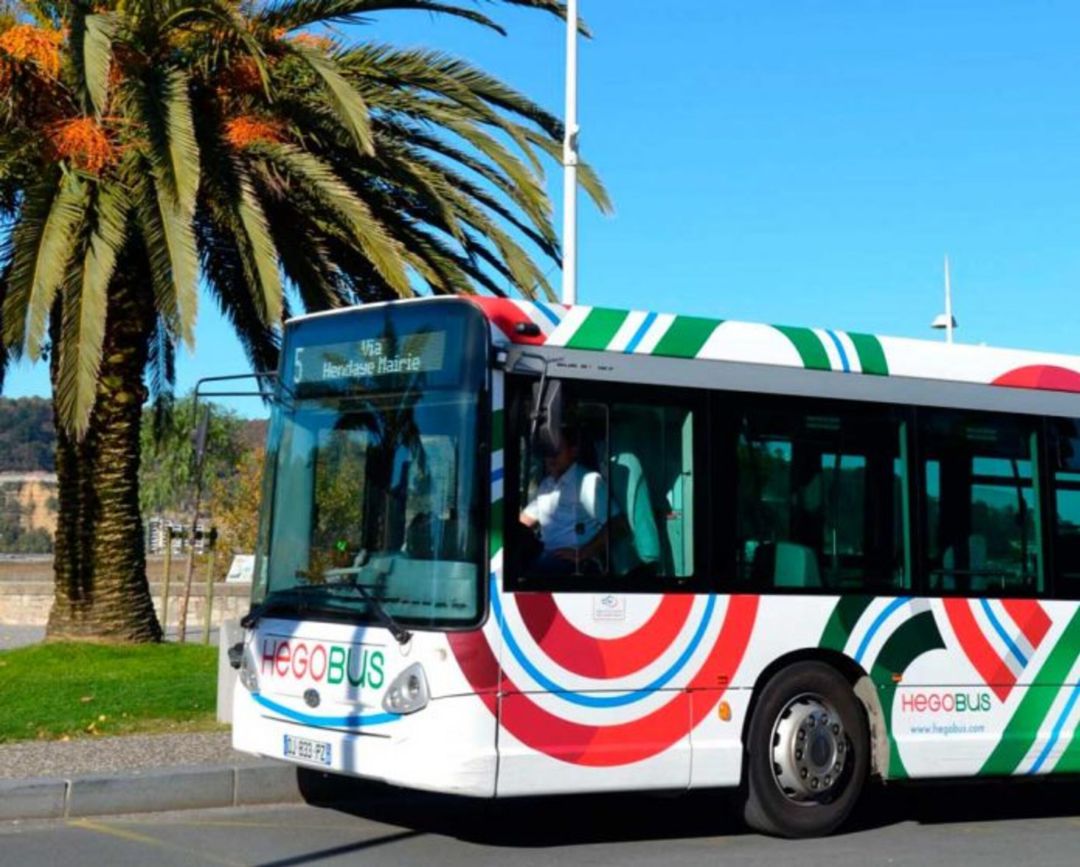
x=807 y=753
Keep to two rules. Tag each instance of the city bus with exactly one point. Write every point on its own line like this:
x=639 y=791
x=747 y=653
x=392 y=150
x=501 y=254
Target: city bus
x=791 y=560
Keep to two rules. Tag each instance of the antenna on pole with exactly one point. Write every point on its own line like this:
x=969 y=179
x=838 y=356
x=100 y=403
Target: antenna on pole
x=950 y=323
x=570 y=160
x=946 y=320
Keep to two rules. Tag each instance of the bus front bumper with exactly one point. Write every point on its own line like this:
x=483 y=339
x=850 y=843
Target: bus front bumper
x=449 y=746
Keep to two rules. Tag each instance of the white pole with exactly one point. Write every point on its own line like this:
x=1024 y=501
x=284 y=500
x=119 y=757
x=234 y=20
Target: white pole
x=570 y=160
x=948 y=304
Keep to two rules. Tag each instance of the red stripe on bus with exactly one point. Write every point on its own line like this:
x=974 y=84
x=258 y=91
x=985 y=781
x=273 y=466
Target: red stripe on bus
x=628 y=742
x=1030 y=617
x=589 y=656
x=991 y=667
x=506 y=316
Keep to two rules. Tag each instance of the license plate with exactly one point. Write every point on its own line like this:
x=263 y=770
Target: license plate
x=307 y=750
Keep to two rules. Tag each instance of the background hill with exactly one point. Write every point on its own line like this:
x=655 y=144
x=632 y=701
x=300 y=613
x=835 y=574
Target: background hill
x=26 y=435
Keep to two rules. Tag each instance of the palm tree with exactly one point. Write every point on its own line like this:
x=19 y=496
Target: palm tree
x=150 y=147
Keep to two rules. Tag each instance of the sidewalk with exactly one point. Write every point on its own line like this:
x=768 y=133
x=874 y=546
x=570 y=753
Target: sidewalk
x=135 y=774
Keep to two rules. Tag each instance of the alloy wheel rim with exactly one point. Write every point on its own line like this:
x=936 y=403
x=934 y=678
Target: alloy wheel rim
x=811 y=751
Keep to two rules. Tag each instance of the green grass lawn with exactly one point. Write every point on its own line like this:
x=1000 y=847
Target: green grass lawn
x=51 y=691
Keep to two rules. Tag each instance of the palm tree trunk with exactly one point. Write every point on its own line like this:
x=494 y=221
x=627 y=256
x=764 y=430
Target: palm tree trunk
x=102 y=593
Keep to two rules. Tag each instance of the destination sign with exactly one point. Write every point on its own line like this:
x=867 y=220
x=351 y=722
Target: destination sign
x=370 y=358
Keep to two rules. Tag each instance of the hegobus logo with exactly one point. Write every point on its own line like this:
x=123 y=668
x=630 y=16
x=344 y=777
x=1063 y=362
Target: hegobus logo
x=334 y=663
x=945 y=702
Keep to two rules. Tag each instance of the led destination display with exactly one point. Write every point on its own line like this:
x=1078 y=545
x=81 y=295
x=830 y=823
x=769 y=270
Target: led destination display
x=341 y=364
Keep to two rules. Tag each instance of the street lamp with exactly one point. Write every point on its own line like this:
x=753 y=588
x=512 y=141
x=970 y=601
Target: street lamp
x=570 y=160
x=946 y=321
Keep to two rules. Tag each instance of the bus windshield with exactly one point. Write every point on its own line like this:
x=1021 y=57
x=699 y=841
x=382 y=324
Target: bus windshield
x=373 y=472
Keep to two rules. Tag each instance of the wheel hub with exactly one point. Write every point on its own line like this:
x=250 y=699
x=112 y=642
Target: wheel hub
x=809 y=750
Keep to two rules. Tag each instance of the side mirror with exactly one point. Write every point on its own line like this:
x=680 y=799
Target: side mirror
x=547 y=416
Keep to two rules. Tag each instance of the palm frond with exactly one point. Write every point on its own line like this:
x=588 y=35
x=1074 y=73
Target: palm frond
x=262 y=251
x=173 y=155
x=44 y=240
x=84 y=310
x=588 y=180
x=95 y=57
x=5 y=354
x=294 y=14
x=450 y=77
x=224 y=273
x=349 y=105
x=161 y=367
x=318 y=180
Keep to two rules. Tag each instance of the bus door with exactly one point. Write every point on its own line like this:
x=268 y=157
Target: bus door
x=601 y=628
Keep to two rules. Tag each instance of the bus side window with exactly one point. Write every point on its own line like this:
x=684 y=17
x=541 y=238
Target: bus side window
x=1065 y=466
x=810 y=513
x=651 y=460
x=981 y=508
x=634 y=461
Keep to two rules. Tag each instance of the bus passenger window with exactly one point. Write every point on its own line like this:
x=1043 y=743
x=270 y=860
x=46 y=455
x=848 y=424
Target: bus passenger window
x=819 y=500
x=1065 y=463
x=616 y=497
x=980 y=504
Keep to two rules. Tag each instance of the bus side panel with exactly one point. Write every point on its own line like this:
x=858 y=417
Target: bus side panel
x=780 y=625
x=998 y=698
x=593 y=689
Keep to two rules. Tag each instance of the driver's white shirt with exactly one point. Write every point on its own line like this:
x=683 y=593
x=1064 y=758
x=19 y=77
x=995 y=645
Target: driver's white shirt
x=570 y=510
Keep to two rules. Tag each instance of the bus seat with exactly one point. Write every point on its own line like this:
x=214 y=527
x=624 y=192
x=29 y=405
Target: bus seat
x=630 y=489
x=786 y=564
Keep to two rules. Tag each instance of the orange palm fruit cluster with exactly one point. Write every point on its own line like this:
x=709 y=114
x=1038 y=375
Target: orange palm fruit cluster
x=247 y=130
x=84 y=143
x=313 y=41
x=27 y=43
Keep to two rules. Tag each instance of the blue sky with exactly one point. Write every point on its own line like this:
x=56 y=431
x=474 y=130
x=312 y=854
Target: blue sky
x=802 y=161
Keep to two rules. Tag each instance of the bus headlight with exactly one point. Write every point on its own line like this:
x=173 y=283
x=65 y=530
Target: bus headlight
x=247 y=674
x=408 y=692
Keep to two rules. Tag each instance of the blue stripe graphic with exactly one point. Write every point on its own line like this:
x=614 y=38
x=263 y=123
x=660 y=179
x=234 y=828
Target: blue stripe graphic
x=547 y=311
x=839 y=348
x=497 y=474
x=1056 y=733
x=596 y=700
x=1000 y=630
x=640 y=333
x=350 y=721
x=877 y=624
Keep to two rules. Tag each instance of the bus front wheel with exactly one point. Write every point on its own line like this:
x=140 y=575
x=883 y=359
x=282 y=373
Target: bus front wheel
x=807 y=753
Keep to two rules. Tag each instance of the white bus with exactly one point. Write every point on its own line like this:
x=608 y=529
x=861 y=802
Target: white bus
x=781 y=559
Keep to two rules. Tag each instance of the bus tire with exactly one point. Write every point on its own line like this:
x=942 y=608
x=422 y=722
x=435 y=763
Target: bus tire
x=807 y=753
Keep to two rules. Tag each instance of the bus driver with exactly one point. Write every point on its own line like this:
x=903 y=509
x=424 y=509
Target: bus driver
x=571 y=511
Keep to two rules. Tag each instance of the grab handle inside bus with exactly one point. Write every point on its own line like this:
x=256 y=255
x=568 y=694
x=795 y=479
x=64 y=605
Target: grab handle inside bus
x=547 y=416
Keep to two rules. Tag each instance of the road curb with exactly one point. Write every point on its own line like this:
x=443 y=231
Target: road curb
x=180 y=788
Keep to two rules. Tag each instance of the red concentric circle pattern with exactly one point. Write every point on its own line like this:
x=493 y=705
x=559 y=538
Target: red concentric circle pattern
x=620 y=743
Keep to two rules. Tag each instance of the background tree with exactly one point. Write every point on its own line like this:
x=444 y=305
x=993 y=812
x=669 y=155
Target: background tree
x=233 y=505
x=146 y=145
x=166 y=476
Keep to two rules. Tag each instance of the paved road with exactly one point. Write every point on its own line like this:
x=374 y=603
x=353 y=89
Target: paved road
x=19 y=636
x=991 y=825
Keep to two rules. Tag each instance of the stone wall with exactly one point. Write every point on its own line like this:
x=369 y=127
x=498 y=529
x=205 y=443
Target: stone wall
x=26 y=603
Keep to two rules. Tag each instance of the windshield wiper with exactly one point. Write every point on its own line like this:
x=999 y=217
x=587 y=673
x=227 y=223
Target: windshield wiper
x=400 y=633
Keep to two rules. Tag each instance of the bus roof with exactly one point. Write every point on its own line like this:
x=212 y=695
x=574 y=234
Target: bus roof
x=694 y=337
